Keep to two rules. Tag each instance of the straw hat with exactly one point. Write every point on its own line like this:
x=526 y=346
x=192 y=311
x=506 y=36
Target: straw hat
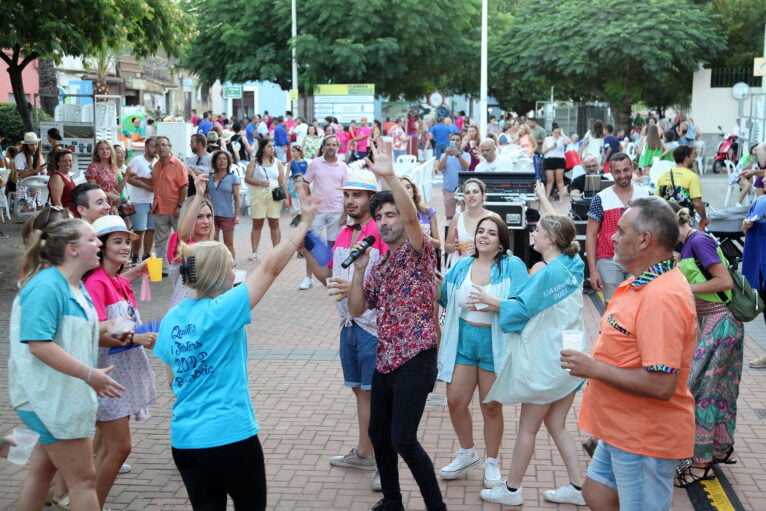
x=30 y=138
x=111 y=223
x=226 y=135
x=361 y=179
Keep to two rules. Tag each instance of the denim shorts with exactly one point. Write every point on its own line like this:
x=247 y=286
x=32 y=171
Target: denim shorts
x=142 y=219
x=642 y=482
x=33 y=422
x=358 y=351
x=474 y=346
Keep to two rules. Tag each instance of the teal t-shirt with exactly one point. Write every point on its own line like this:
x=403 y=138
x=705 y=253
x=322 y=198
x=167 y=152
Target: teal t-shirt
x=205 y=344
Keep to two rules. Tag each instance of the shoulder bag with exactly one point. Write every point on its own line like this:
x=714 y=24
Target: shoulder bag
x=277 y=193
x=745 y=304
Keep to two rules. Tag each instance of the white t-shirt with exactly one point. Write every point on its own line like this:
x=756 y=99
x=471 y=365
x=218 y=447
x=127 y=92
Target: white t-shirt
x=200 y=162
x=501 y=164
x=300 y=132
x=262 y=129
x=557 y=147
x=141 y=167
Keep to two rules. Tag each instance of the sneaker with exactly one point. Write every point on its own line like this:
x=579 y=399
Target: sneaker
x=353 y=460
x=387 y=505
x=502 y=495
x=305 y=284
x=492 y=476
x=125 y=468
x=758 y=363
x=567 y=494
x=253 y=257
x=466 y=460
x=376 y=486
x=134 y=260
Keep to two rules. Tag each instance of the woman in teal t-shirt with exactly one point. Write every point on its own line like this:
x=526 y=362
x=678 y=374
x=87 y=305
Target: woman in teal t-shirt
x=203 y=341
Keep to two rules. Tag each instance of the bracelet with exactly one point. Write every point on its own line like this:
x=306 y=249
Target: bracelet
x=87 y=379
x=131 y=339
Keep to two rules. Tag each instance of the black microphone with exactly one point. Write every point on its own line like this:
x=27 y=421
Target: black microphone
x=367 y=242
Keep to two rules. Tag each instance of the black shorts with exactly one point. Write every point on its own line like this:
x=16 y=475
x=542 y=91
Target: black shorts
x=554 y=163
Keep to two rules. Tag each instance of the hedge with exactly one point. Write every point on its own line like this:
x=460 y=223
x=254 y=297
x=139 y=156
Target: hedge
x=11 y=125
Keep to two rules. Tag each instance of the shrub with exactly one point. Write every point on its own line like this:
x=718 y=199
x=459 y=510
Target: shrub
x=11 y=125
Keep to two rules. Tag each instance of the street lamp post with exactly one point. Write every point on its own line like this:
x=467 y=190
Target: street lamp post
x=483 y=84
x=294 y=102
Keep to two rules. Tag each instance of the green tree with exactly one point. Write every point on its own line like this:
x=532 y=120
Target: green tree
x=43 y=29
x=613 y=50
x=742 y=23
x=407 y=48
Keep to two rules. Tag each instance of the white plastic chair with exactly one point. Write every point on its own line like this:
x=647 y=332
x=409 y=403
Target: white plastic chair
x=630 y=149
x=732 y=177
x=700 y=159
x=406 y=158
x=659 y=169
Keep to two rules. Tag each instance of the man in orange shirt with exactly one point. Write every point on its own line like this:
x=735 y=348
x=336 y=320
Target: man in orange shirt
x=637 y=401
x=171 y=183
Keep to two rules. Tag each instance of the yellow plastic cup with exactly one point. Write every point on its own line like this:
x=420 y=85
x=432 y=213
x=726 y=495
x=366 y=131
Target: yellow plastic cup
x=154 y=266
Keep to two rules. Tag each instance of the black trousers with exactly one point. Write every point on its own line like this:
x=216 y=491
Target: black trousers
x=396 y=406
x=234 y=469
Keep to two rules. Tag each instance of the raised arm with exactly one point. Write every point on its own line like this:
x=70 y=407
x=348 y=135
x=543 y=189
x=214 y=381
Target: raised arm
x=383 y=168
x=186 y=223
x=259 y=281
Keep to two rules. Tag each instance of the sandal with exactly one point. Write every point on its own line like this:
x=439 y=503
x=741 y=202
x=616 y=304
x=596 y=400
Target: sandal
x=687 y=476
x=726 y=459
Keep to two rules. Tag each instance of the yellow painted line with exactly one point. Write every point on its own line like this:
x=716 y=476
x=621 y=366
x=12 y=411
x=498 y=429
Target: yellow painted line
x=716 y=495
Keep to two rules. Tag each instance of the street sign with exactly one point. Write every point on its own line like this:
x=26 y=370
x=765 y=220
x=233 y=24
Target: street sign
x=293 y=94
x=232 y=92
x=759 y=66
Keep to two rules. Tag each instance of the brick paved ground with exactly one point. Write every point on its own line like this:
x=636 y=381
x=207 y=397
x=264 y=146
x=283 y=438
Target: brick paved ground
x=306 y=415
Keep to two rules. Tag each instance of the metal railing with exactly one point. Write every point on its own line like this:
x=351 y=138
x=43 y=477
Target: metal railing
x=728 y=76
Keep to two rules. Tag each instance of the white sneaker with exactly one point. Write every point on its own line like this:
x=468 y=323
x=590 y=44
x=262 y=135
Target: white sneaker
x=502 y=495
x=466 y=460
x=305 y=284
x=125 y=468
x=376 y=486
x=492 y=476
x=253 y=257
x=567 y=494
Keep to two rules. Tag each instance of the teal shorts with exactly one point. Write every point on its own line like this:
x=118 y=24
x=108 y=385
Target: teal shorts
x=33 y=422
x=474 y=347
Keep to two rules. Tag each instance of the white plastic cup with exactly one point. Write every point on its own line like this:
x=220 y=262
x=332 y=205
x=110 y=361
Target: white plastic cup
x=572 y=340
x=26 y=439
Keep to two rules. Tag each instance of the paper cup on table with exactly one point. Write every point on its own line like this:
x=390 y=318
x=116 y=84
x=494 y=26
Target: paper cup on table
x=572 y=340
x=26 y=439
x=154 y=266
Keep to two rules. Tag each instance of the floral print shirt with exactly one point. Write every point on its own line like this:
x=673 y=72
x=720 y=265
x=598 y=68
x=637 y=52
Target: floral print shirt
x=104 y=176
x=401 y=287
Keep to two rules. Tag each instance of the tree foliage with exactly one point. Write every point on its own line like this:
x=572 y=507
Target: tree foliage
x=742 y=23
x=406 y=47
x=51 y=29
x=616 y=51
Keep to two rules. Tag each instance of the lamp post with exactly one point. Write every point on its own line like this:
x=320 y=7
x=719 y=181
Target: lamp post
x=483 y=83
x=294 y=102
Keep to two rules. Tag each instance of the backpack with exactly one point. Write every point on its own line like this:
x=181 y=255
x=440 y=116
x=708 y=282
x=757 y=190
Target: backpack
x=236 y=149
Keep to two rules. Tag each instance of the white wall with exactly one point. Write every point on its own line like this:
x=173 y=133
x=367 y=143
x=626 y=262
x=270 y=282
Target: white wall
x=713 y=107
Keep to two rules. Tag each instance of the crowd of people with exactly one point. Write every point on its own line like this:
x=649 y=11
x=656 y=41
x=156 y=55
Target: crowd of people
x=487 y=322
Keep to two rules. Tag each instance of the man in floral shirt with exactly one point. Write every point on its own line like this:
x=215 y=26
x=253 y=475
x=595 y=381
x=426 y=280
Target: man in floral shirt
x=400 y=287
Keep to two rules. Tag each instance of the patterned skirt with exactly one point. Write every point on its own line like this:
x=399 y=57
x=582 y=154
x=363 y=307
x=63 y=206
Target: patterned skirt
x=714 y=379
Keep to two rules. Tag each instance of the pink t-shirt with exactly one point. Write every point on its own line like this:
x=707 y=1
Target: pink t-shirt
x=173 y=245
x=343 y=138
x=325 y=179
x=107 y=292
x=363 y=131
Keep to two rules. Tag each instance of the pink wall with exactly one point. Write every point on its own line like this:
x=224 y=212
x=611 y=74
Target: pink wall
x=31 y=83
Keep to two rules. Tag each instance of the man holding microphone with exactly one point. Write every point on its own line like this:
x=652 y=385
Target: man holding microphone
x=358 y=335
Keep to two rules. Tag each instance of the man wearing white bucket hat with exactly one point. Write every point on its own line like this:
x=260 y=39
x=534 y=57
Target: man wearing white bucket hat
x=326 y=174
x=358 y=335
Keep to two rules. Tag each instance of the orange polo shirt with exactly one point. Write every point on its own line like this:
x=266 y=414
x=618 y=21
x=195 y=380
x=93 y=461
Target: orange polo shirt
x=651 y=325
x=168 y=179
